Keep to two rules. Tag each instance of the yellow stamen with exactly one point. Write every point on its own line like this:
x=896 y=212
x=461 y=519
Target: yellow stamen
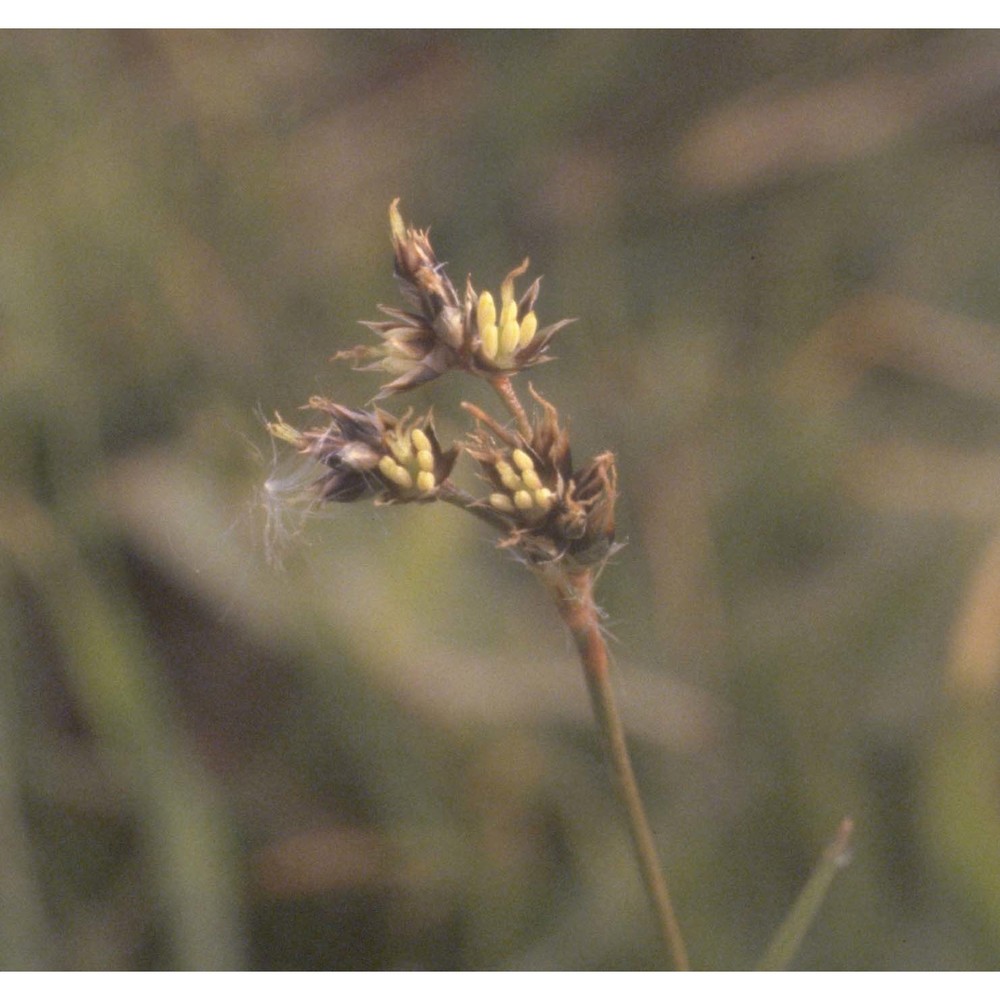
x=420 y=440
x=528 y=327
x=530 y=479
x=522 y=499
x=425 y=461
x=543 y=497
x=425 y=480
x=486 y=311
x=394 y=472
x=511 y=480
x=507 y=313
x=522 y=459
x=502 y=502
x=489 y=338
x=510 y=334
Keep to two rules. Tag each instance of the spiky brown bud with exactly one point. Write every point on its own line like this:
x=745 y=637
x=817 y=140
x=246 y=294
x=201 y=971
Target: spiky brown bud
x=421 y=344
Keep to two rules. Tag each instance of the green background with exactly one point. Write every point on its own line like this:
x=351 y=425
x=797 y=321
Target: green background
x=234 y=737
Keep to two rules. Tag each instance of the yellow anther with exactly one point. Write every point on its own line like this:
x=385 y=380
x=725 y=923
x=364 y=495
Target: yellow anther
x=425 y=480
x=522 y=500
x=489 y=338
x=510 y=479
x=502 y=502
x=528 y=327
x=522 y=459
x=394 y=472
x=508 y=312
x=425 y=461
x=530 y=479
x=420 y=440
x=543 y=497
x=510 y=334
x=486 y=320
x=486 y=311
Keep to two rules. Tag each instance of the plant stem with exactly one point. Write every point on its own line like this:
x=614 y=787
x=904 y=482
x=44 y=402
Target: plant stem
x=800 y=918
x=573 y=592
x=505 y=391
x=450 y=493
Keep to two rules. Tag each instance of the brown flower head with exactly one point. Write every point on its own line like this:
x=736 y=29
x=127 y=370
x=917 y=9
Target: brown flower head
x=371 y=454
x=439 y=332
x=553 y=511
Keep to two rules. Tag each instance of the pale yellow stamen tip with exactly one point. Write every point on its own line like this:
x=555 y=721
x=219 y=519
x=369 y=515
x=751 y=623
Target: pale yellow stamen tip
x=510 y=334
x=543 y=497
x=511 y=480
x=420 y=440
x=522 y=459
x=522 y=500
x=425 y=460
x=486 y=311
x=502 y=502
x=528 y=327
x=425 y=480
x=508 y=310
x=394 y=472
x=530 y=479
x=489 y=338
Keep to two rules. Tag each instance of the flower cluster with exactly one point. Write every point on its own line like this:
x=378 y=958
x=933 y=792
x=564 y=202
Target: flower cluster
x=547 y=509
x=440 y=332
x=371 y=454
x=553 y=510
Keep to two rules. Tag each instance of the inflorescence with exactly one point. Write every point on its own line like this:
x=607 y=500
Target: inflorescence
x=546 y=509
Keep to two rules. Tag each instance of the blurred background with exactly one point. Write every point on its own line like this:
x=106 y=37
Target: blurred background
x=234 y=737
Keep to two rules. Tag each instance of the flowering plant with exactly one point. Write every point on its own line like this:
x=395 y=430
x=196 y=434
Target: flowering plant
x=559 y=519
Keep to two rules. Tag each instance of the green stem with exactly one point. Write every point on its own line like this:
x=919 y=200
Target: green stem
x=793 y=929
x=574 y=598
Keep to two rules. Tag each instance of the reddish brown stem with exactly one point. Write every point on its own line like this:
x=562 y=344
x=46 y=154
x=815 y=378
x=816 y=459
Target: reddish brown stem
x=505 y=390
x=574 y=597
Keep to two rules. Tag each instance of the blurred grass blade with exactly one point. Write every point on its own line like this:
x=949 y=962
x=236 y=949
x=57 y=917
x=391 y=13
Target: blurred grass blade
x=790 y=934
x=24 y=930
x=113 y=674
